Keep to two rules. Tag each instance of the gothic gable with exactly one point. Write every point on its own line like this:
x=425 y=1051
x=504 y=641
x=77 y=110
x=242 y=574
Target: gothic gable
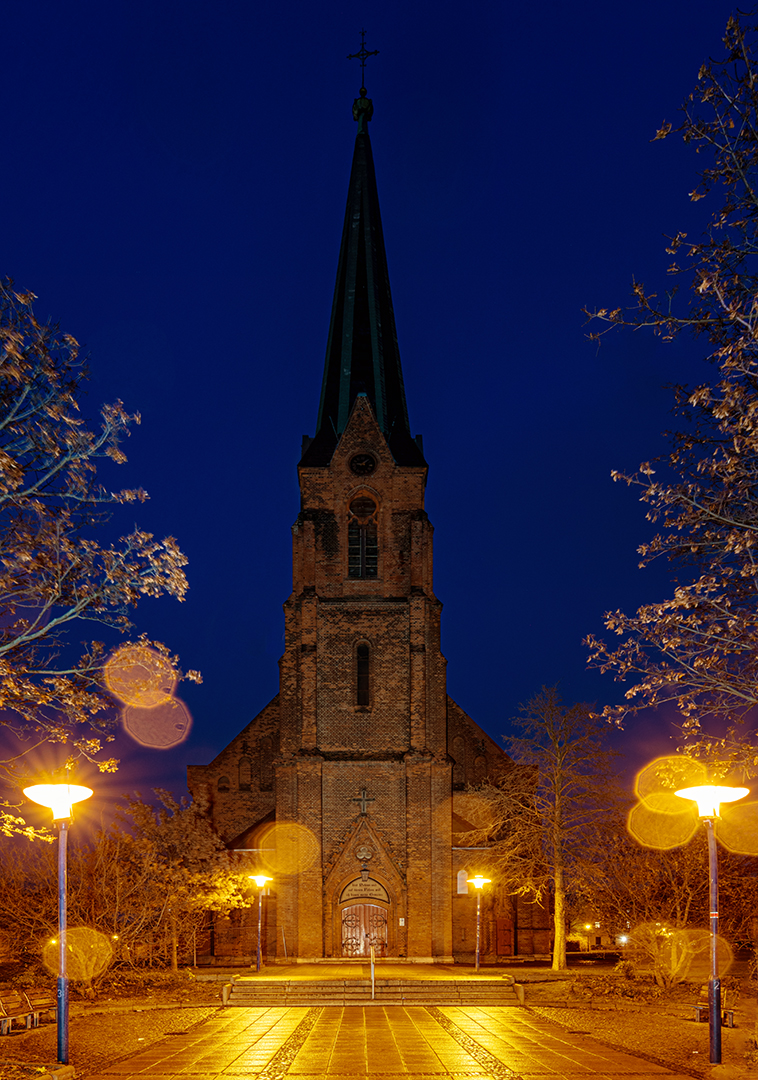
x=476 y=757
x=239 y=783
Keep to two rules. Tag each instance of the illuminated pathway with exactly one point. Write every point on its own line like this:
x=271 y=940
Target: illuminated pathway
x=382 y=1042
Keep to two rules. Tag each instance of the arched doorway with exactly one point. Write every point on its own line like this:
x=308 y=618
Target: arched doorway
x=364 y=925
x=364 y=918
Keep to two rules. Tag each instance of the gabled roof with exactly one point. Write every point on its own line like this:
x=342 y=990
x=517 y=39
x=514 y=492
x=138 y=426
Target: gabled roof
x=362 y=353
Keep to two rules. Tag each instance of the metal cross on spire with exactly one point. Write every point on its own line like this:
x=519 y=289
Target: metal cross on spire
x=362 y=57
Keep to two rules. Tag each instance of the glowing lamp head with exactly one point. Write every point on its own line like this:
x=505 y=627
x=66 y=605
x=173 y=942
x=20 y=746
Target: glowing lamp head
x=59 y=797
x=478 y=881
x=259 y=879
x=710 y=796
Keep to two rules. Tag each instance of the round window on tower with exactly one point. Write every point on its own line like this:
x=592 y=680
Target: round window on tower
x=362 y=509
x=362 y=464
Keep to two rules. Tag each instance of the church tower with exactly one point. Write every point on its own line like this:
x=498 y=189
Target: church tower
x=363 y=680
x=349 y=775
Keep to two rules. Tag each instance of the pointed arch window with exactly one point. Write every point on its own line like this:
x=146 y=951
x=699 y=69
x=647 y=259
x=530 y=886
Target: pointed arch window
x=245 y=774
x=459 y=762
x=362 y=542
x=363 y=675
x=267 y=763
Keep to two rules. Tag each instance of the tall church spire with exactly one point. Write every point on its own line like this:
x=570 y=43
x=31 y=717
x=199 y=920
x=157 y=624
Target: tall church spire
x=362 y=353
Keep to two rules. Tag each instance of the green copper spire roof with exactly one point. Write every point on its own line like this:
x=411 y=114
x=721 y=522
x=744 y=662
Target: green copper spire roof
x=362 y=354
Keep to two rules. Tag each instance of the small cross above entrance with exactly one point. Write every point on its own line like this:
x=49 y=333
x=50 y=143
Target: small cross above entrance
x=364 y=800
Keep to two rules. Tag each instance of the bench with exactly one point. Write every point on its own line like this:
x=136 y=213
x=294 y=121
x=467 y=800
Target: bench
x=703 y=1009
x=40 y=1001
x=13 y=1006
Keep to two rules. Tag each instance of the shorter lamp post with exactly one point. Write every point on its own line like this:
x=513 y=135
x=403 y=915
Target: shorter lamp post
x=588 y=927
x=260 y=880
x=60 y=798
x=478 y=882
x=709 y=798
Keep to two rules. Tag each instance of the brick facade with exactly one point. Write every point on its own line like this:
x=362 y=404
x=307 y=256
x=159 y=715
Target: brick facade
x=344 y=786
x=314 y=752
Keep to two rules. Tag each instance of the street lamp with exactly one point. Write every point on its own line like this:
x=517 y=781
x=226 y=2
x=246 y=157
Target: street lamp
x=260 y=880
x=478 y=882
x=588 y=927
x=709 y=798
x=60 y=798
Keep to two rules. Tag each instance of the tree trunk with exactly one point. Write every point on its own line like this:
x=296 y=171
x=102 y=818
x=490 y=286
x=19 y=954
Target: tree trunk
x=174 y=949
x=559 y=919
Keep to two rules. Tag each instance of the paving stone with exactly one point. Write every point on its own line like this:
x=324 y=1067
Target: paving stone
x=387 y=1042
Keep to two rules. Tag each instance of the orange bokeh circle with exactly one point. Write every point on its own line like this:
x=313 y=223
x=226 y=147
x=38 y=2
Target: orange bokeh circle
x=140 y=676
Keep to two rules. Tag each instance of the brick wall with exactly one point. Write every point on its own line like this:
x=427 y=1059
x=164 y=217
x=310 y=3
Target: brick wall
x=406 y=745
x=240 y=781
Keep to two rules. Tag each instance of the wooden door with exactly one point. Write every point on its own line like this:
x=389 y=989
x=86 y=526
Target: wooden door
x=364 y=925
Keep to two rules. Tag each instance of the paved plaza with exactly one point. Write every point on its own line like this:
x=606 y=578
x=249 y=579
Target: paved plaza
x=382 y=1042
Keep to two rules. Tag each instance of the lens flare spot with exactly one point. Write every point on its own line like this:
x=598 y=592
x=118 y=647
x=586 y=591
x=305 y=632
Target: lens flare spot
x=666 y=802
x=737 y=827
x=676 y=955
x=666 y=775
x=662 y=830
x=698 y=941
x=139 y=676
x=88 y=954
x=287 y=848
x=160 y=727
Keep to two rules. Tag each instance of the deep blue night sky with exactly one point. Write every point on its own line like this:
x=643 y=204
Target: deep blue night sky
x=173 y=190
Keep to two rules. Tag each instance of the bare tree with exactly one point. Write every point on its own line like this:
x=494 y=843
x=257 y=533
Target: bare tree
x=698 y=648
x=54 y=571
x=146 y=882
x=192 y=869
x=635 y=884
x=542 y=814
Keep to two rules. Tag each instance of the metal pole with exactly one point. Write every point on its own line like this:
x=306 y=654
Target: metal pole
x=62 y=994
x=260 y=907
x=478 y=923
x=714 y=983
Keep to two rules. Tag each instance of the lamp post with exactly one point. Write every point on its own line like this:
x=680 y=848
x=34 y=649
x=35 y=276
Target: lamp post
x=588 y=927
x=260 y=880
x=60 y=798
x=709 y=798
x=478 y=882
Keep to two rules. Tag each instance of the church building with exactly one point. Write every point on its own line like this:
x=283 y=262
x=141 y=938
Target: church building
x=349 y=788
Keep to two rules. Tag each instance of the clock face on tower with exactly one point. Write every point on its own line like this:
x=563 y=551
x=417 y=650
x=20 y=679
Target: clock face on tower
x=362 y=464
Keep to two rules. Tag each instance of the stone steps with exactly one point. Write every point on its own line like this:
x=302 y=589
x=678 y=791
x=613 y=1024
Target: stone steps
x=308 y=992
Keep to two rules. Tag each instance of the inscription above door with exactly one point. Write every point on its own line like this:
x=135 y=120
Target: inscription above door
x=358 y=889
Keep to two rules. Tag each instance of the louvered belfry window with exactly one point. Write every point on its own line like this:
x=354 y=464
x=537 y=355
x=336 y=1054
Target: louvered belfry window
x=362 y=543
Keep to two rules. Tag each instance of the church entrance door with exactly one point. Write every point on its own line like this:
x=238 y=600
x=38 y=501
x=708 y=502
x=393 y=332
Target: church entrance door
x=364 y=925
